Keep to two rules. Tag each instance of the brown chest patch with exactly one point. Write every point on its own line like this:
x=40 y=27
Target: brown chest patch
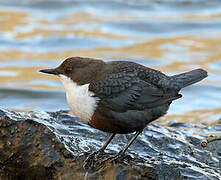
x=106 y=124
x=99 y=121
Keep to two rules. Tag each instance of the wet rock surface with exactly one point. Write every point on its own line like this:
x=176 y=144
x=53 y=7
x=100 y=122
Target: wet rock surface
x=47 y=145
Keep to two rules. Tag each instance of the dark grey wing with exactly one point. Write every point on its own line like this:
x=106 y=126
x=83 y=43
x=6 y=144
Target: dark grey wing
x=125 y=91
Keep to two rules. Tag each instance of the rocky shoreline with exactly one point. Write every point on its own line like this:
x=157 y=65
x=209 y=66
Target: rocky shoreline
x=47 y=145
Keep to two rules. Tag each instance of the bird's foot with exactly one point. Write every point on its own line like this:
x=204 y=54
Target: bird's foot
x=114 y=158
x=89 y=162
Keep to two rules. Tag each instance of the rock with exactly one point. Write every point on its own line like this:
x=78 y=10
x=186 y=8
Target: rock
x=46 y=145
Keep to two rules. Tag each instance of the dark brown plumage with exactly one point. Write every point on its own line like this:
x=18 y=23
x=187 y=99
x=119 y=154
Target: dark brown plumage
x=129 y=95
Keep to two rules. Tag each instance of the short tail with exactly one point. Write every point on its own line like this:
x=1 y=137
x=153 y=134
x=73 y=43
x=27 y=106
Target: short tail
x=185 y=79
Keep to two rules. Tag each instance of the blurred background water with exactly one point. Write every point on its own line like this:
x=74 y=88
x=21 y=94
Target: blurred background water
x=170 y=35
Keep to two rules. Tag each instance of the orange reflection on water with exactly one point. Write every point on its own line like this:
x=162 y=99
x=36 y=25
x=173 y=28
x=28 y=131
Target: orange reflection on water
x=153 y=49
x=197 y=116
x=176 y=52
x=9 y=20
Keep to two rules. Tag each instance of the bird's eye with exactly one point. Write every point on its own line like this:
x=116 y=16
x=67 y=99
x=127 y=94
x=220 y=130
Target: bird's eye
x=68 y=69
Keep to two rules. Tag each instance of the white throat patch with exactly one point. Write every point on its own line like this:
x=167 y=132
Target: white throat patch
x=79 y=99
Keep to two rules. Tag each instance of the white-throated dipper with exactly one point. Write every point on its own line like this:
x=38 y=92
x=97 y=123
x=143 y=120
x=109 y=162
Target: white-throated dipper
x=119 y=96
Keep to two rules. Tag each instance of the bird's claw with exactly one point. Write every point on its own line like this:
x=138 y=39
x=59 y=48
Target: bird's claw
x=114 y=158
x=90 y=160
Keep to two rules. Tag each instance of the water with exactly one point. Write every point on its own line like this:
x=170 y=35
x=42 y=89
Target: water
x=172 y=36
x=169 y=35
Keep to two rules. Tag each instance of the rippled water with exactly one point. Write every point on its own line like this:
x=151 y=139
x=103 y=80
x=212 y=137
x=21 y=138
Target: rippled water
x=172 y=36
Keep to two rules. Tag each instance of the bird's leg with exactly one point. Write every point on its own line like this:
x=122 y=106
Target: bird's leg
x=107 y=142
x=118 y=155
x=89 y=161
x=130 y=142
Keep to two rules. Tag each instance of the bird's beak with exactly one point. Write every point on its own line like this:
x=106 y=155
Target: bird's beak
x=49 y=71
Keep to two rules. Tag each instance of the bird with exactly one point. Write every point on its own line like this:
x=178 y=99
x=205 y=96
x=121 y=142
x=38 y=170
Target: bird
x=119 y=97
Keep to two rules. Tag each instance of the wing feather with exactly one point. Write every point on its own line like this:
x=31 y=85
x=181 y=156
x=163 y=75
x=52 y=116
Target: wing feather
x=126 y=91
